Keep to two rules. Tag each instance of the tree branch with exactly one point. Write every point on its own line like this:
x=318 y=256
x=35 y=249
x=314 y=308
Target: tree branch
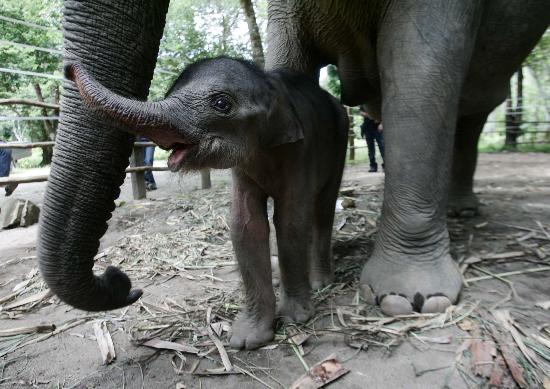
x=28 y=102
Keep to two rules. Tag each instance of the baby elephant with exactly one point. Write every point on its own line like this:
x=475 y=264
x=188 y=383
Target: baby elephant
x=285 y=138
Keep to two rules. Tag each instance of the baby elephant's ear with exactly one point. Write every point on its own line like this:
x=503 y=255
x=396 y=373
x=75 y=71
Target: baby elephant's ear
x=282 y=123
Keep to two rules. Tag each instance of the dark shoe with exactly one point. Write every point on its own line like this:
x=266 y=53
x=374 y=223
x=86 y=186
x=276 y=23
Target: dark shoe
x=373 y=169
x=150 y=186
x=10 y=188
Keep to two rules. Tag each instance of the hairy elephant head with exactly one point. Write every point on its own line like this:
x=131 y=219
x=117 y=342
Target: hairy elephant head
x=218 y=113
x=118 y=43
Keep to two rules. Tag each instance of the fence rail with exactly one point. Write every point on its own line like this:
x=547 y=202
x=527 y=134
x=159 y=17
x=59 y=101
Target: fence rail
x=136 y=169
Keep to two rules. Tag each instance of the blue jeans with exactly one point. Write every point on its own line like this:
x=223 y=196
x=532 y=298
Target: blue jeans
x=5 y=162
x=148 y=161
x=370 y=137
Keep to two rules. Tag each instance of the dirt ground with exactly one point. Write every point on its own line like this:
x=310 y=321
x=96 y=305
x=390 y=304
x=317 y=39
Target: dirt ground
x=185 y=283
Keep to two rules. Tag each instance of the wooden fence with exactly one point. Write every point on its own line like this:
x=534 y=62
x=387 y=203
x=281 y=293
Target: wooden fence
x=136 y=169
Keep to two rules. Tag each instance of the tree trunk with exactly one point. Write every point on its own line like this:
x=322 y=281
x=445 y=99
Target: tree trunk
x=47 y=129
x=255 y=38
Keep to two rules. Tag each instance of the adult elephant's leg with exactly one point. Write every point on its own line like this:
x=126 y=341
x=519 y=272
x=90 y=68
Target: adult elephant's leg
x=423 y=50
x=117 y=42
x=462 y=200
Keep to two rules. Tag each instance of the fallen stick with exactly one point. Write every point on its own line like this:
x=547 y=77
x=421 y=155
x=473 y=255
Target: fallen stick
x=507 y=274
x=27 y=330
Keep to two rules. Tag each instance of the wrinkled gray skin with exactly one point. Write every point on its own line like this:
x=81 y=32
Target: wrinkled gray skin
x=285 y=138
x=432 y=70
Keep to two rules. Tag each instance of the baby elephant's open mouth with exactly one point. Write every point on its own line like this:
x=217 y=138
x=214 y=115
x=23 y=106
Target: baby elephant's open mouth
x=179 y=152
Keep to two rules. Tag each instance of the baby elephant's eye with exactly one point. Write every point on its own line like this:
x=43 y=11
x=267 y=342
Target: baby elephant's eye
x=221 y=104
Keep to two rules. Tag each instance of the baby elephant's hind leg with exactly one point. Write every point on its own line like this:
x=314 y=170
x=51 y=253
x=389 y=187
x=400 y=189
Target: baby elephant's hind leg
x=322 y=266
x=293 y=222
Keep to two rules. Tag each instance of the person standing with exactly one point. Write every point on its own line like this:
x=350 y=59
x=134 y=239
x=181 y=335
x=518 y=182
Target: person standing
x=371 y=130
x=148 y=160
x=5 y=167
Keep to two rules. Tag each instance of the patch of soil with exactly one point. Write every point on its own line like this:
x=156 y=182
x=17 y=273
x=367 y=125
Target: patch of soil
x=149 y=239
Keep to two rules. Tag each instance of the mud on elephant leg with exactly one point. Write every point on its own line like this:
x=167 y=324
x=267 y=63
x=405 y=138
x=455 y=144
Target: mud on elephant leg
x=250 y=236
x=462 y=200
x=293 y=222
x=411 y=268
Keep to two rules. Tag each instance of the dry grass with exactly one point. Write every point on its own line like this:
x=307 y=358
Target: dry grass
x=198 y=242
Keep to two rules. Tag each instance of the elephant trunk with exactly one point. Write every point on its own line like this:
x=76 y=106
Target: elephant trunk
x=138 y=117
x=91 y=154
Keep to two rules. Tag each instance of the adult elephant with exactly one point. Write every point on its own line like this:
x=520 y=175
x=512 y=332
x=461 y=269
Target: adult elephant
x=432 y=70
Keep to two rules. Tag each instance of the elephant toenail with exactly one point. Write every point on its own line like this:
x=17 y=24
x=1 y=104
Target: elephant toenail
x=368 y=294
x=436 y=304
x=393 y=305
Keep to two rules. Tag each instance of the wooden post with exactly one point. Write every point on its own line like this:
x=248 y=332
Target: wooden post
x=351 y=136
x=205 y=179
x=138 y=178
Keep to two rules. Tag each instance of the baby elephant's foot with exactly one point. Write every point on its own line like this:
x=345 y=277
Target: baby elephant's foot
x=320 y=278
x=463 y=206
x=402 y=287
x=250 y=333
x=295 y=309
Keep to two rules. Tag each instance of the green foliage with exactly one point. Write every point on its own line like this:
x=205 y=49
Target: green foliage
x=31 y=162
x=197 y=29
x=539 y=59
x=332 y=82
x=44 y=13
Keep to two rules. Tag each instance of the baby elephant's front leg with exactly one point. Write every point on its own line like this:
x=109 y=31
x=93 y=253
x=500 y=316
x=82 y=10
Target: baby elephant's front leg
x=250 y=235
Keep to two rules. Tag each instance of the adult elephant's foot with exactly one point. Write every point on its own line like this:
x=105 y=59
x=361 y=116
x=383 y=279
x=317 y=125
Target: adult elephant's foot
x=295 y=308
x=463 y=205
x=402 y=287
x=249 y=332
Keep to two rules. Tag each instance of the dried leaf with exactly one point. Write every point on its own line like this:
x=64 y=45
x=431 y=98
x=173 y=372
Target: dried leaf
x=31 y=299
x=348 y=203
x=480 y=225
x=436 y=339
x=165 y=345
x=320 y=374
x=506 y=255
x=541 y=340
x=297 y=337
x=515 y=368
x=105 y=342
x=269 y=347
x=504 y=317
x=543 y=304
x=483 y=352
x=472 y=259
x=218 y=328
x=221 y=350
x=348 y=191
x=495 y=381
x=466 y=325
